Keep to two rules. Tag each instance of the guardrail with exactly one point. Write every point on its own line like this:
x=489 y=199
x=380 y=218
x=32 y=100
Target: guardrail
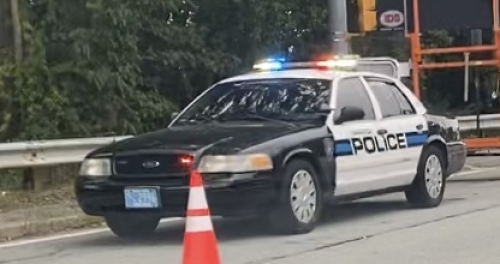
x=61 y=151
x=485 y=122
x=50 y=152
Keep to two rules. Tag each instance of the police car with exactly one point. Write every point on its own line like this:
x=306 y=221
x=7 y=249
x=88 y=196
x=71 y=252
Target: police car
x=278 y=143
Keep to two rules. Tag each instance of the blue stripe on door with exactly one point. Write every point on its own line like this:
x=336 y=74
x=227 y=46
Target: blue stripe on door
x=415 y=139
x=343 y=147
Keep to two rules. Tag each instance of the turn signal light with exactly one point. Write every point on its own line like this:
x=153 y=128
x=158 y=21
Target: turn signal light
x=186 y=160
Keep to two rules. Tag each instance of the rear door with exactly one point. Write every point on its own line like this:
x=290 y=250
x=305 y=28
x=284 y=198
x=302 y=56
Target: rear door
x=355 y=153
x=403 y=129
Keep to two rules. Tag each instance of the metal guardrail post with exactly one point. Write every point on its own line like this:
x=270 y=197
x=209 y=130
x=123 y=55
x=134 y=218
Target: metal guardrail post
x=41 y=177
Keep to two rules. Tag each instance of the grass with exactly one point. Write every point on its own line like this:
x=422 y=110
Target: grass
x=11 y=179
x=28 y=213
x=49 y=227
x=12 y=200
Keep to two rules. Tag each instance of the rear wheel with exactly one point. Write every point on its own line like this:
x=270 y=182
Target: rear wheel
x=300 y=202
x=428 y=188
x=132 y=224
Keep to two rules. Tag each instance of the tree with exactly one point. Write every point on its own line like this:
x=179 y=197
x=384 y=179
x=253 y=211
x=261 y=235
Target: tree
x=95 y=66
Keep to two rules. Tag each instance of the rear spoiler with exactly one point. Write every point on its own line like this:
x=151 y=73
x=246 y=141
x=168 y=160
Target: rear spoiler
x=385 y=65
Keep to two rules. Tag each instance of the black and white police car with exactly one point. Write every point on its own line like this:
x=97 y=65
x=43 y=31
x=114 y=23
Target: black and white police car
x=278 y=143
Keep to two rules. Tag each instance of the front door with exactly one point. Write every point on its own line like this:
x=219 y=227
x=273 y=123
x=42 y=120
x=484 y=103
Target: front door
x=355 y=148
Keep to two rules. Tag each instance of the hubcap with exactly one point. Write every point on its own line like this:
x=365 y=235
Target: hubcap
x=303 y=196
x=433 y=176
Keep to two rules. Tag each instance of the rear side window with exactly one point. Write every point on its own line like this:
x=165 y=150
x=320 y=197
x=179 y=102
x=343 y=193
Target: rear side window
x=351 y=92
x=392 y=101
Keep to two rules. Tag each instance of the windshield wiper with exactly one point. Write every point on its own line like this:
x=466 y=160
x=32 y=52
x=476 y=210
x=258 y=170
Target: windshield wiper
x=253 y=116
x=198 y=119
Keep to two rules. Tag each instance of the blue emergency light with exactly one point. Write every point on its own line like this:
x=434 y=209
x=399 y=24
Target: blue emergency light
x=270 y=64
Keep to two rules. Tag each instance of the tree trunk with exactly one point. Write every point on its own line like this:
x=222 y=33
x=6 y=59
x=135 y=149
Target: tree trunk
x=17 y=31
x=6 y=40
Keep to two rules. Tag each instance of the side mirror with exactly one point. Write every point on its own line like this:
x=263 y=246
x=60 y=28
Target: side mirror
x=349 y=113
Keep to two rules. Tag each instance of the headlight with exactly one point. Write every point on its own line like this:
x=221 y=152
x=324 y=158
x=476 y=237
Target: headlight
x=96 y=167
x=235 y=163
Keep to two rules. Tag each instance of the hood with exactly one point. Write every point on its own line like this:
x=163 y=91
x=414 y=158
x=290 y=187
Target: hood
x=216 y=138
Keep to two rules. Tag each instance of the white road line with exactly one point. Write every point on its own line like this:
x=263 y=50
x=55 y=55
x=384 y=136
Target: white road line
x=474 y=171
x=70 y=235
x=468 y=166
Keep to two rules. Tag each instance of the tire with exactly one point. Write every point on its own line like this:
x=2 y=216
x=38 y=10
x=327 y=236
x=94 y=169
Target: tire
x=419 y=194
x=129 y=225
x=282 y=217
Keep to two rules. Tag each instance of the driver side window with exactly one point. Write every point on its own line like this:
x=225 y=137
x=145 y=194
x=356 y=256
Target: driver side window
x=351 y=92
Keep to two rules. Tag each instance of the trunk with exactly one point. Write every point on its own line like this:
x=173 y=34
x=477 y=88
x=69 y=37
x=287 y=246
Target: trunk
x=17 y=31
x=6 y=33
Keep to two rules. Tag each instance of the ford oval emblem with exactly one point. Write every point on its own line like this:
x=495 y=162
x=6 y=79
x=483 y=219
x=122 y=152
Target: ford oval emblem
x=151 y=164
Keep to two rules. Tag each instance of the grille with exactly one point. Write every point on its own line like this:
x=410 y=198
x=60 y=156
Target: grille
x=134 y=165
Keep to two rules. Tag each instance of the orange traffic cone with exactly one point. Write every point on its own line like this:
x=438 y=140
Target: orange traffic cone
x=200 y=243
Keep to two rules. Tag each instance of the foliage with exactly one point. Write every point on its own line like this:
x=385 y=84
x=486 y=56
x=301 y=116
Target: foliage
x=122 y=66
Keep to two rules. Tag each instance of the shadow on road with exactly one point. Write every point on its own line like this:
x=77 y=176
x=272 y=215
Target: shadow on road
x=242 y=229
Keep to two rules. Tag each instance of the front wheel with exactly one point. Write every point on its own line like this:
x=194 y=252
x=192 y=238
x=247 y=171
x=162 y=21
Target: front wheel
x=428 y=188
x=129 y=225
x=300 y=202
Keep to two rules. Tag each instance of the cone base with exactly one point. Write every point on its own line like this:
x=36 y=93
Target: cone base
x=200 y=248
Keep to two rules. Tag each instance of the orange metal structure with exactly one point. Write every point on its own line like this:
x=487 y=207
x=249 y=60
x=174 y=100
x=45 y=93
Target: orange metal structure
x=417 y=65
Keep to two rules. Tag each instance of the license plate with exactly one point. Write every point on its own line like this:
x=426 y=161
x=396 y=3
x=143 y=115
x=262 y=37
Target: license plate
x=141 y=198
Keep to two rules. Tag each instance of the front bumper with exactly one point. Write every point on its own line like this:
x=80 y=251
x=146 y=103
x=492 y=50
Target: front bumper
x=232 y=195
x=457 y=154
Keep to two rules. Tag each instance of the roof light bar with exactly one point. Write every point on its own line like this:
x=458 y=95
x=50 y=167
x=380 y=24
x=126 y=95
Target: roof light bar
x=269 y=64
x=337 y=62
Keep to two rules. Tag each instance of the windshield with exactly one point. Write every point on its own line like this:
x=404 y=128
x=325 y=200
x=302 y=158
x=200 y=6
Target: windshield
x=277 y=99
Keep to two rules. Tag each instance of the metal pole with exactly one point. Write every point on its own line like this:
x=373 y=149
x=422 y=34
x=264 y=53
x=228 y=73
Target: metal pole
x=337 y=11
x=478 y=105
x=466 y=76
x=476 y=37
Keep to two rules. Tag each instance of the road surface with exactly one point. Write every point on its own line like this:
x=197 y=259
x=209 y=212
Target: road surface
x=464 y=229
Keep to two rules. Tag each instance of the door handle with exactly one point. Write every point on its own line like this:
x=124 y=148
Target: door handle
x=420 y=127
x=382 y=131
x=362 y=131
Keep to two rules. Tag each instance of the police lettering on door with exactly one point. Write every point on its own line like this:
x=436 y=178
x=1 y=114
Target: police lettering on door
x=372 y=144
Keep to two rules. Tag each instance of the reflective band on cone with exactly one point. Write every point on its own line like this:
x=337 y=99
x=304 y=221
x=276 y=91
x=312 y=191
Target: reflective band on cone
x=200 y=243
x=198 y=224
x=197 y=199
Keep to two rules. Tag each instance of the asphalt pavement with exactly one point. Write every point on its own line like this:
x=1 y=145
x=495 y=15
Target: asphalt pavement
x=464 y=229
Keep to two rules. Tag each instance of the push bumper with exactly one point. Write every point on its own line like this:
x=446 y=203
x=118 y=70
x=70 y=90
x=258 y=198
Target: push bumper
x=226 y=197
x=457 y=153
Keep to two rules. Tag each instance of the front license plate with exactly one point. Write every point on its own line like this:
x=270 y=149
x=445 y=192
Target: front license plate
x=141 y=198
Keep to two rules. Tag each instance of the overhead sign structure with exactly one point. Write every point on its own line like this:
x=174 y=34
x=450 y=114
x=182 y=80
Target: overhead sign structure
x=397 y=15
x=453 y=14
x=376 y=15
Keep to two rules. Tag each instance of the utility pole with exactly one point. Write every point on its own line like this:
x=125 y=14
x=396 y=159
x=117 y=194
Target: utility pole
x=337 y=13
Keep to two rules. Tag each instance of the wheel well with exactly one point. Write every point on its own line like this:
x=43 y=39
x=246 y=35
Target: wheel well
x=440 y=145
x=310 y=158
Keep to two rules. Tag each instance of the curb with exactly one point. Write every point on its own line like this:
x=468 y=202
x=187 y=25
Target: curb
x=49 y=226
